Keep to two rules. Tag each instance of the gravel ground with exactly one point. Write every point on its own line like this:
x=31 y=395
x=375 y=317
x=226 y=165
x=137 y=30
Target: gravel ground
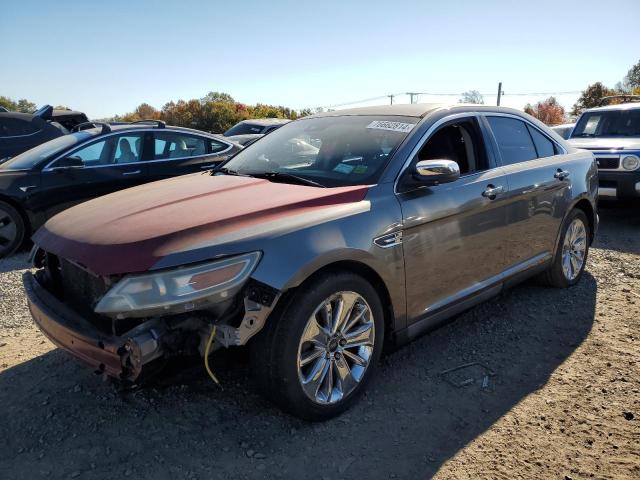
x=555 y=393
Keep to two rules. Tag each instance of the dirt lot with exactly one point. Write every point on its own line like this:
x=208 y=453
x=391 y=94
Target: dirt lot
x=556 y=394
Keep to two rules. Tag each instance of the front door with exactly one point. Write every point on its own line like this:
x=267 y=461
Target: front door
x=454 y=235
x=104 y=166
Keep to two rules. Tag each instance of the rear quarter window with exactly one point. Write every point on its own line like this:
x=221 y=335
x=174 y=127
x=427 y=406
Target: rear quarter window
x=513 y=138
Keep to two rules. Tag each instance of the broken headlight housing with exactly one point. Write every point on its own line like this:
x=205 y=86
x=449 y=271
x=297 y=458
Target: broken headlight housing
x=178 y=290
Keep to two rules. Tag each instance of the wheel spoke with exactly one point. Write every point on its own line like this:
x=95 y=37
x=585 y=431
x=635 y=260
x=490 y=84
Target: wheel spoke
x=326 y=384
x=311 y=355
x=356 y=359
x=363 y=335
x=345 y=378
x=575 y=265
x=356 y=318
x=344 y=308
x=315 y=334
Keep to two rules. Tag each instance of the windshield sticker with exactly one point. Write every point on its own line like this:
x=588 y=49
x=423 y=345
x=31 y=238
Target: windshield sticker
x=393 y=126
x=360 y=169
x=343 y=168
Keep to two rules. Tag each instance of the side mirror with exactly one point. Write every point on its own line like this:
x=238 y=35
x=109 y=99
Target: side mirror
x=435 y=172
x=69 y=162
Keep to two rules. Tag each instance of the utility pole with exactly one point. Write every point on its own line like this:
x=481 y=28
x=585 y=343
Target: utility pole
x=500 y=92
x=391 y=97
x=411 y=95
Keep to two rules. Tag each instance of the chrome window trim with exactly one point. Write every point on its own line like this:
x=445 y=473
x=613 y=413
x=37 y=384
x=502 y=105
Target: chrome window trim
x=49 y=168
x=426 y=137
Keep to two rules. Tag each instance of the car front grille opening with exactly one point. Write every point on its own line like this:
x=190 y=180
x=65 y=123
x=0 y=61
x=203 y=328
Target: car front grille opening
x=608 y=163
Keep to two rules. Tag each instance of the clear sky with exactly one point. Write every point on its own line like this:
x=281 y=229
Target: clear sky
x=107 y=57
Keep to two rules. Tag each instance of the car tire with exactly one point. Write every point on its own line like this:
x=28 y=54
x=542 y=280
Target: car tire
x=12 y=229
x=309 y=365
x=571 y=253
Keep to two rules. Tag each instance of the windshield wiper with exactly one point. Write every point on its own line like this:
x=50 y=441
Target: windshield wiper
x=288 y=176
x=228 y=171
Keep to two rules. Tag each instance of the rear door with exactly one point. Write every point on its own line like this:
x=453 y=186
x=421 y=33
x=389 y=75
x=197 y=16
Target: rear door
x=176 y=153
x=106 y=165
x=539 y=187
x=454 y=236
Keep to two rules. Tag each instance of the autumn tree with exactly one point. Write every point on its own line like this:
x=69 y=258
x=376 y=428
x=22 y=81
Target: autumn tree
x=472 y=96
x=592 y=97
x=548 y=111
x=632 y=78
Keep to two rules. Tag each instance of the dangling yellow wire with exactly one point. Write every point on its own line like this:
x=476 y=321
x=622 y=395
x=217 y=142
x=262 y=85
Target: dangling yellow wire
x=206 y=357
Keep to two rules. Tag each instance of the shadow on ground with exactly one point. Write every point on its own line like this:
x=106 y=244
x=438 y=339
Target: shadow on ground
x=59 y=421
x=619 y=226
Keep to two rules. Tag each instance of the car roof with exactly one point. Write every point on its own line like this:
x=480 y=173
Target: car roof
x=171 y=128
x=263 y=122
x=419 y=110
x=18 y=115
x=620 y=106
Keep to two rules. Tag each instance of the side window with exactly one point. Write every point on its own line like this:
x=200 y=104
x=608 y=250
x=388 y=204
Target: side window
x=216 y=146
x=544 y=146
x=513 y=139
x=13 y=127
x=128 y=148
x=460 y=142
x=94 y=154
x=172 y=145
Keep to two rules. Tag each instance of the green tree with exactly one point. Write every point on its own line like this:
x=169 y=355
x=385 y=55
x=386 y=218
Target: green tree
x=217 y=97
x=9 y=104
x=25 y=106
x=632 y=78
x=592 y=97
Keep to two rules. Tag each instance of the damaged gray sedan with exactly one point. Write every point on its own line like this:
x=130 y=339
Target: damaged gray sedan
x=389 y=221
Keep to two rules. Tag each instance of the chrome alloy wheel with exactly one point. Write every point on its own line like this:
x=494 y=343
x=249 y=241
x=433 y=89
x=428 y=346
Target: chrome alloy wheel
x=574 y=249
x=8 y=230
x=335 y=348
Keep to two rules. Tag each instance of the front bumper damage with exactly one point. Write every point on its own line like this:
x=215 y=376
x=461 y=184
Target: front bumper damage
x=126 y=356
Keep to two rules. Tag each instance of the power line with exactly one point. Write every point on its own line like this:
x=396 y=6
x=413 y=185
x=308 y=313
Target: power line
x=440 y=94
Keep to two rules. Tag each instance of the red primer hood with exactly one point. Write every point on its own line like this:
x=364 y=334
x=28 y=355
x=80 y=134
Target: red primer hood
x=130 y=230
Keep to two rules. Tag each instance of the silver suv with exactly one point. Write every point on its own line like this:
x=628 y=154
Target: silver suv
x=612 y=133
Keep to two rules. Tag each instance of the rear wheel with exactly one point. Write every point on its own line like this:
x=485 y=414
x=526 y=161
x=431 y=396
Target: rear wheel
x=317 y=353
x=11 y=229
x=571 y=255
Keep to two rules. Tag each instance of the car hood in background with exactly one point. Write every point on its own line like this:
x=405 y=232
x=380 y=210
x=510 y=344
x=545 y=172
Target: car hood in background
x=605 y=143
x=131 y=230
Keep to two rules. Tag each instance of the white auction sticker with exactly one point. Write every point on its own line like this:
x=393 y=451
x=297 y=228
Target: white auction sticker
x=393 y=126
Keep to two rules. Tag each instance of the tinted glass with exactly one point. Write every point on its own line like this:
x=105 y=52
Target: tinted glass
x=243 y=128
x=46 y=151
x=544 y=146
x=113 y=150
x=513 y=139
x=332 y=151
x=609 y=123
x=13 y=127
x=170 y=145
x=215 y=146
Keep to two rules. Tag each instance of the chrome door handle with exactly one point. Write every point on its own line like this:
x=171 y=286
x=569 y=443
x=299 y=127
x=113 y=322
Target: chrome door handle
x=492 y=192
x=561 y=174
x=135 y=172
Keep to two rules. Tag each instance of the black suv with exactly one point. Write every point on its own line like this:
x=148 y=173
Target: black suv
x=21 y=131
x=92 y=162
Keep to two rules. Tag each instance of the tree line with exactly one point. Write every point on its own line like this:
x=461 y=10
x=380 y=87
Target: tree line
x=217 y=111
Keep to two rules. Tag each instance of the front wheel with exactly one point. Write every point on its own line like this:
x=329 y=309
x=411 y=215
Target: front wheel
x=571 y=255
x=317 y=353
x=11 y=229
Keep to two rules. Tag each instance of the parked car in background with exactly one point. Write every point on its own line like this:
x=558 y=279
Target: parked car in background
x=564 y=130
x=21 y=131
x=71 y=169
x=246 y=139
x=398 y=218
x=258 y=125
x=612 y=133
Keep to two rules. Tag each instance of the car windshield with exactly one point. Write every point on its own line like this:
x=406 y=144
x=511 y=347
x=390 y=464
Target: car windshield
x=609 y=123
x=33 y=157
x=243 y=128
x=326 y=151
